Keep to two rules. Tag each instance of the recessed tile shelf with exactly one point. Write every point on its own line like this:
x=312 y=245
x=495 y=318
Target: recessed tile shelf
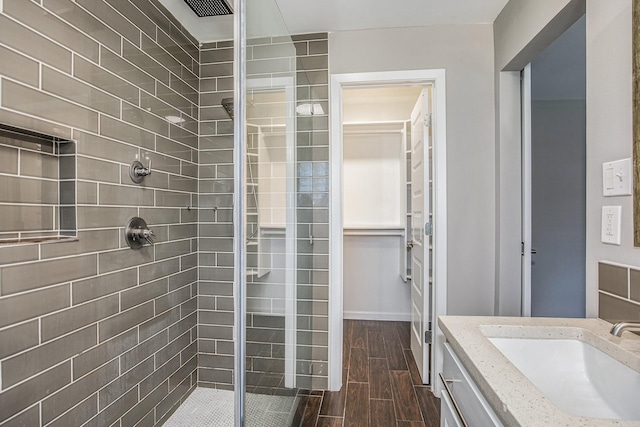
x=37 y=187
x=32 y=240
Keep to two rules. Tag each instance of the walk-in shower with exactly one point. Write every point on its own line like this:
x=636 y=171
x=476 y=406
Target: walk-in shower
x=136 y=126
x=280 y=311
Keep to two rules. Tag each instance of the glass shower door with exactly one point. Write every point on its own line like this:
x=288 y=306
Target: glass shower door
x=269 y=220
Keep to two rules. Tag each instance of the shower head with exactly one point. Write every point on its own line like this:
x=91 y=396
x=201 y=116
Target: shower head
x=227 y=103
x=204 y=8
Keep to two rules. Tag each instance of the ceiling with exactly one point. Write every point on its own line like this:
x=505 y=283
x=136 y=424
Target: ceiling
x=379 y=104
x=307 y=16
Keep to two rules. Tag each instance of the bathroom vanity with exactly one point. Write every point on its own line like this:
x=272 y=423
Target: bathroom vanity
x=509 y=371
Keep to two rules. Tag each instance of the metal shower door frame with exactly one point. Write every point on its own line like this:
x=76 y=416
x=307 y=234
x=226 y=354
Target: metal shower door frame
x=239 y=222
x=239 y=255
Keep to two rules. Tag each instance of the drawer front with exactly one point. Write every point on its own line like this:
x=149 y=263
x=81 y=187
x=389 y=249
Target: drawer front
x=472 y=404
x=448 y=415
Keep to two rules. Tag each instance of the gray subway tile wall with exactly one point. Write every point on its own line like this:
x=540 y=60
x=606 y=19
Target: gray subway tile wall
x=91 y=332
x=312 y=155
x=107 y=74
x=268 y=58
x=215 y=321
x=618 y=292
x=614 y=279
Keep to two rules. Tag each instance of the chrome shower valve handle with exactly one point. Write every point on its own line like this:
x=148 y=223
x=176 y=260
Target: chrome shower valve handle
x=137 y=233
x=142 y=171
x=148 y=235
x=137 y=171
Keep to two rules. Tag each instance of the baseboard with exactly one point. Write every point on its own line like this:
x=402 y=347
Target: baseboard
x=372 y=315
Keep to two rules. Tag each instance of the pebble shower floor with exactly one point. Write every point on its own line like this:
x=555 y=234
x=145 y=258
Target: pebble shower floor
x=214 y=408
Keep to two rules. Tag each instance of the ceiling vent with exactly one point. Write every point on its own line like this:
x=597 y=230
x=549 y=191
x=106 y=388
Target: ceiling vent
x=204 y=8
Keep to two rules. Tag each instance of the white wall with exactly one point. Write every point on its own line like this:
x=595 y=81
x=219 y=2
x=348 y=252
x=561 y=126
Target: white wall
x=609 y=129
x=522 y=30
x=374 y=185
x=609 y=115
x=272 y=181
x=372 y=286
x=379 y=104
x=373 y=177
x=518 y=30
x=466 y=53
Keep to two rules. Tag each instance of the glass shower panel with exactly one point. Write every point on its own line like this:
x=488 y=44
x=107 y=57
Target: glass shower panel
x=270 y=218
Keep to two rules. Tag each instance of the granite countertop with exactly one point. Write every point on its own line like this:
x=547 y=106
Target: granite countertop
x=515 y=400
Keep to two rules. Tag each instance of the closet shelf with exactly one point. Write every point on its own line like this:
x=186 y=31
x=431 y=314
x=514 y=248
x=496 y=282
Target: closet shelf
x=371 y=231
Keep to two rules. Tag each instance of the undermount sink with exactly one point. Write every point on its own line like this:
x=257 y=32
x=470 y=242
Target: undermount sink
x=578 y=378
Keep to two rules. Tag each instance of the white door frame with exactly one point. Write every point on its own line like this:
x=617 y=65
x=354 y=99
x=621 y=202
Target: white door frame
x=526 y=192
x=338 y=82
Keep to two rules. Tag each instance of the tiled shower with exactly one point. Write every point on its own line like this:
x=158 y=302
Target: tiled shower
x=91 y=331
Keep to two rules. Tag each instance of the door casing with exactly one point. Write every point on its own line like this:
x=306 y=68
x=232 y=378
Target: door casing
x=435 y=77
x=525 y=307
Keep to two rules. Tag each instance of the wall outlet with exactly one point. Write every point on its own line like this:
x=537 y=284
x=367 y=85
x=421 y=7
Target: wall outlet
x=611 y=224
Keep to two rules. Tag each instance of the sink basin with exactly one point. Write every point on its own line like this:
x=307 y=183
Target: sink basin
x=578 y=378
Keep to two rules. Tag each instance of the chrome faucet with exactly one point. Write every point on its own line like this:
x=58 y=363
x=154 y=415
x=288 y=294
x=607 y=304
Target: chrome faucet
x=620 y=327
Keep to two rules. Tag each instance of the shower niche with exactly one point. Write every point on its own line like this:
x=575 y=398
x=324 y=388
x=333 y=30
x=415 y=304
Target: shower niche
x=37 y=187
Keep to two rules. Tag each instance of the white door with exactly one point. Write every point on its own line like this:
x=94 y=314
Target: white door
x=526 y=192
x=422 y=252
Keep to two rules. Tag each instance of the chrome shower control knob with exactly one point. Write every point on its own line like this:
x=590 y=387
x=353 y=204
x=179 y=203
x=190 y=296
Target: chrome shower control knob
x=148 y=235
x=137 y=171
x=137 y=233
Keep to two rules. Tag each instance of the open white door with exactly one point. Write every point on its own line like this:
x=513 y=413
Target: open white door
x=421 y=226
x=526 y=192
x=428 y=305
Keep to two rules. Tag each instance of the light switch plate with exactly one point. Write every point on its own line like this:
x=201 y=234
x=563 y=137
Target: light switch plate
x=617 y=178
x=611 y=224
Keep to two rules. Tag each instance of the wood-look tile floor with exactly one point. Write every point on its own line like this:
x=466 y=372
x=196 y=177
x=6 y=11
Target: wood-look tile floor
x=381 y=383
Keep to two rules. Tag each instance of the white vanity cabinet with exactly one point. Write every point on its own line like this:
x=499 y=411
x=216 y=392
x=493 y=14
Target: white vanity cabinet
x=462 y=404
x=448 y=414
